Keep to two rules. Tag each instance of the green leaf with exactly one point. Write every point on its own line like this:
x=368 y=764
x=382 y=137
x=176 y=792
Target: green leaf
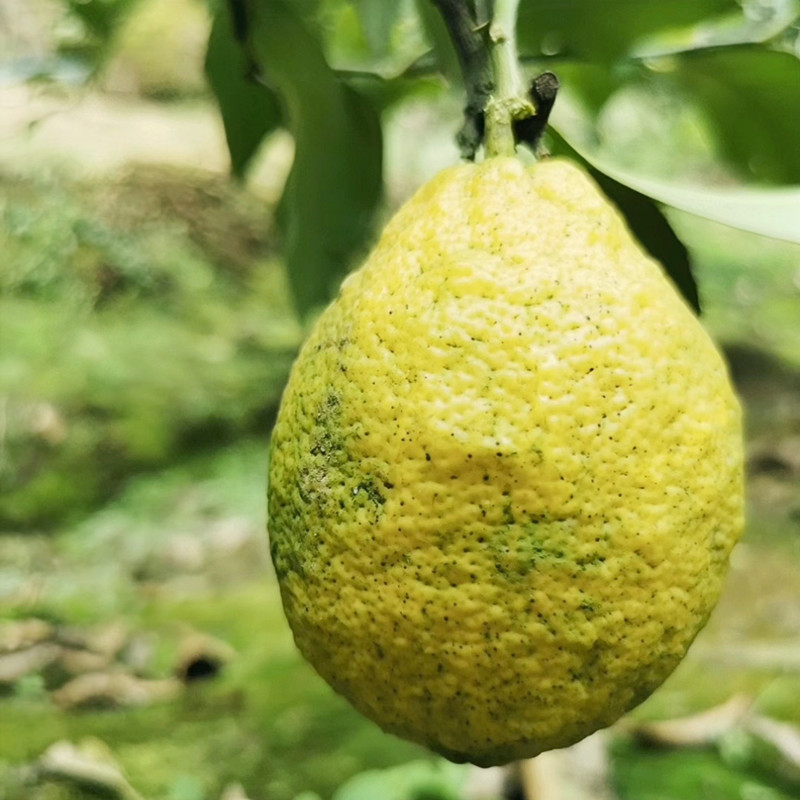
x=773 y=212
x=101 y=17
x=432 y=780
x=249 y=111
x=763 y=23
x=652 y=229
x=308 y=10
x=377 y=20
x=768 y=212
x=91 y=42
x=437 y=35
x=647 y=223
x=751 y=96
x=593 y=84
x=603 y=31
x=336 y=179
x=383 y=93
x=642 y=773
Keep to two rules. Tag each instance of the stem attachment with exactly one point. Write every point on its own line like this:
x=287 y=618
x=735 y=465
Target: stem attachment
x=508 y=103
x=500 y=112
x=543 y=93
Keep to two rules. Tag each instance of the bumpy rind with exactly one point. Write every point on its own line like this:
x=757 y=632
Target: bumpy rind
x=506 y=476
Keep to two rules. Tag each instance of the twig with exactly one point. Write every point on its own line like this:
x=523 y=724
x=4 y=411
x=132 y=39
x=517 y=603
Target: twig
x=464 y=28
x=508 y=103
x=503 y=43
x=529 y=131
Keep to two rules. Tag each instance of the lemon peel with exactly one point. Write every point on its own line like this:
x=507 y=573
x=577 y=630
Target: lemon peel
x=506 y=475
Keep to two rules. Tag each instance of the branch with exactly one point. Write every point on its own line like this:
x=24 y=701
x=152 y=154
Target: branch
x=473 y=57
x=508 y=103
x=543 y=92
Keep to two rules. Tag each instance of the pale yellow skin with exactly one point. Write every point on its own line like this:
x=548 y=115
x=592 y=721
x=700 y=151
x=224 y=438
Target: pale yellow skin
x=506 y=476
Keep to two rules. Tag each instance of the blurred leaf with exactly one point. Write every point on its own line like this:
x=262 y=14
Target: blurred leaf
x=90 y=35
x=647 y=223
x=772 y=212
x=768 y=212
x=592 y=83
x=439 y=39
x=432 y=780
x=761 y=23
x=186 y=787
x=336 y=179
x=382 y=93
x=377 y=20
x=592 y=31
x=752 y=98
x=652 y=229
x=249 y=111
x=309 y=10
x=101 y=17
x=686 y=773
x=767 y=746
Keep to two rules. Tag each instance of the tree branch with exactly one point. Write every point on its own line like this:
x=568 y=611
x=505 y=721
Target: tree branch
x=473 y=56
x=543 y=92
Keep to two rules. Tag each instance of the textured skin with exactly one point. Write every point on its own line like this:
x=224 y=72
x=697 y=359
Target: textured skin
x=506 y=476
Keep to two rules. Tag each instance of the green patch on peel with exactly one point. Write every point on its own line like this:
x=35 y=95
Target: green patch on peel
x=326 y=483
x=519 y=549
x=367 y=492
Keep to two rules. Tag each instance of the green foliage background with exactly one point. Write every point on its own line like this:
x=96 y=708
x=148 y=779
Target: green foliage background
x=681 y=105
x=331 y=71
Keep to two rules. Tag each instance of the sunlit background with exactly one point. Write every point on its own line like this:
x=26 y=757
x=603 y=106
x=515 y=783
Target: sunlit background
x=146 y=331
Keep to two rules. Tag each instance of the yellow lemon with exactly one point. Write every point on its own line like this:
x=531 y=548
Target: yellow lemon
x=506 y=475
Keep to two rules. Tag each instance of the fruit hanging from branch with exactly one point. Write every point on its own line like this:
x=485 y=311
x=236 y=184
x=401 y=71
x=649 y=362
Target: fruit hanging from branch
x=506 y=476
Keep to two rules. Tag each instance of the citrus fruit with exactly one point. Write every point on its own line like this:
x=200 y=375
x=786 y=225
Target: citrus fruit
x=506 y=475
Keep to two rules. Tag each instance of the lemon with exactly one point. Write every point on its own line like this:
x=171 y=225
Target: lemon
x=506 y=475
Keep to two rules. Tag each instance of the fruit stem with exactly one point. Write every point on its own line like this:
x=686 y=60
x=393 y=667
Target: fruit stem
x=508 y=102
x=503 y=45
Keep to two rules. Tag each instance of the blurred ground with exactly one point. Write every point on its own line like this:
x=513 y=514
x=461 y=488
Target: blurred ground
x=146 y=337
